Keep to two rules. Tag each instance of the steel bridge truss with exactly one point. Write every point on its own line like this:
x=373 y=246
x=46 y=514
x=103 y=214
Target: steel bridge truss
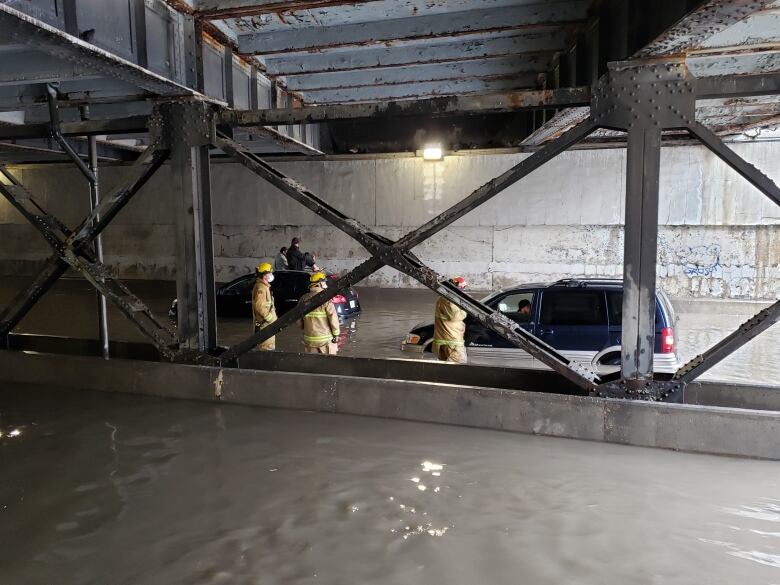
x=642 y=99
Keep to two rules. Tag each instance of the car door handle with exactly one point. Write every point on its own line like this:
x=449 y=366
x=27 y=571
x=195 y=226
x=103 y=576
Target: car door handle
x=546 y=331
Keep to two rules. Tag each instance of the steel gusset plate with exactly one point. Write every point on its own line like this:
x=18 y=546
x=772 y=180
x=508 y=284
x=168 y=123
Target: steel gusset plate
x=398 y=255
x=73 y=249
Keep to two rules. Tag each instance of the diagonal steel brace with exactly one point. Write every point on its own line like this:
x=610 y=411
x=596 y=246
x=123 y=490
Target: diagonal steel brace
x=56 y=134
x=763 y=319
x=754 y=176
x=392 y=254
x=73 y=249
x=751 y=328
x=296 y=313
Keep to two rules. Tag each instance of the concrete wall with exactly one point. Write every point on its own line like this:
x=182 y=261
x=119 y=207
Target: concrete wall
x=718 y=236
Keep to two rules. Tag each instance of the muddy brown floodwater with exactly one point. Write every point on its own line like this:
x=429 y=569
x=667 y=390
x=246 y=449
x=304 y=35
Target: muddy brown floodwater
x=388 y=314
x=120 y=490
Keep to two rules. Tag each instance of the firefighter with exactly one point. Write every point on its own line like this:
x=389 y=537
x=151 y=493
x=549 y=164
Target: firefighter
x=263 y=308
x=449 y=328
x=320 y=326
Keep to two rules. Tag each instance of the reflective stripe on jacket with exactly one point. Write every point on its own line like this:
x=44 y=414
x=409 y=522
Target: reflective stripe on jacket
x=448 y=326
x=263 y=308
x=321 y=325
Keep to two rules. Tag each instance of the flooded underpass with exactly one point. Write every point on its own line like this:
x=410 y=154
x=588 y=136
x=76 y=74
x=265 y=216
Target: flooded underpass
x=119 y=489
x=387 y=316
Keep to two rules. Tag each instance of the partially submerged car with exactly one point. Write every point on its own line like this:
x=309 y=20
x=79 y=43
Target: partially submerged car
x=579 y=318
x=234 y=299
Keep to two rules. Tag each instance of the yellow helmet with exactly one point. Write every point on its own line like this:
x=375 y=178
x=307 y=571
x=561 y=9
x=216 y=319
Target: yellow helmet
x=264 y=267
x=317 y=277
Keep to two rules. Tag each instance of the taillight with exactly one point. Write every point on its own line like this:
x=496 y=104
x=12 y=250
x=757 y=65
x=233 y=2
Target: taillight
x=667 y=340
x=339 y=299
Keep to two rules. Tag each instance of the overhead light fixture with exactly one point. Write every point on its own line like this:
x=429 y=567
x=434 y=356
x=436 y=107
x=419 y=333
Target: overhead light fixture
x=432 y=152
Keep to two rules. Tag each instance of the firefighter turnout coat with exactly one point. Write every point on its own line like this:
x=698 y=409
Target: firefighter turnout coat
x=263 y=310
x=449 y=330
x=321 y=325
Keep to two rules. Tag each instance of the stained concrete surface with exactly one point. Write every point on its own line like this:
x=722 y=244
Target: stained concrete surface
x=117 y=489
x=717 y=234
x=388 y=314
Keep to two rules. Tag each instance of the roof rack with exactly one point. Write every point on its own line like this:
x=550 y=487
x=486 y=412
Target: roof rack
x=583 y=282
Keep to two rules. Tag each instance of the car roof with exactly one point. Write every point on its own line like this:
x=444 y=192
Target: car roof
x=566 y=283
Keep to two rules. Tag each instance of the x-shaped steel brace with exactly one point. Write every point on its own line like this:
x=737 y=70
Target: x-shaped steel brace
x=73 y=249
x=398 y=254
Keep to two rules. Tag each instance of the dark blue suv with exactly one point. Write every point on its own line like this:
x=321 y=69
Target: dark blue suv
x=579 y=318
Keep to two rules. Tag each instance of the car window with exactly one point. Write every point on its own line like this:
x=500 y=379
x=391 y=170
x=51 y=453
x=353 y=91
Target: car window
x=573 y=307
x=241 y=286
x=517 y=306
x=615 y=304
x=285 y=284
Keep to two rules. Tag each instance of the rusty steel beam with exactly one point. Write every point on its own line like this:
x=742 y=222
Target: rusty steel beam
x=73 y=249
x=22 y=29
x=705 y=21
x=293 y=189
x=126 y=125
x=733 y=86
x=495 y=103
x=26 y=298
x=759 y=323
x=98 y=219
x=54 y=132
x=222 y=9
x=384 y=251
x=296 y=313
x=765 y=318
x=754 y=176
x=422 y=26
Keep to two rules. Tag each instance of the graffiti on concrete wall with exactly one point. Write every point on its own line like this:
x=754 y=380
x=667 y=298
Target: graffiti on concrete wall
x=700 y=260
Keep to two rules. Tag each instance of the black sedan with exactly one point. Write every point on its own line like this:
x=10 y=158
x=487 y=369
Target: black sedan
x=234 y=299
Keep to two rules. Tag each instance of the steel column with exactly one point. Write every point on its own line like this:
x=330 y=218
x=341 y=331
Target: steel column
x=188 y=129
x=194 y=248
x=640 y=249
x=94 y=202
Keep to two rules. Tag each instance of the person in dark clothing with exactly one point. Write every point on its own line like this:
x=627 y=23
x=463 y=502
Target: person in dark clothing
x=524 y=310
x=295 y=258
x=310 y=262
